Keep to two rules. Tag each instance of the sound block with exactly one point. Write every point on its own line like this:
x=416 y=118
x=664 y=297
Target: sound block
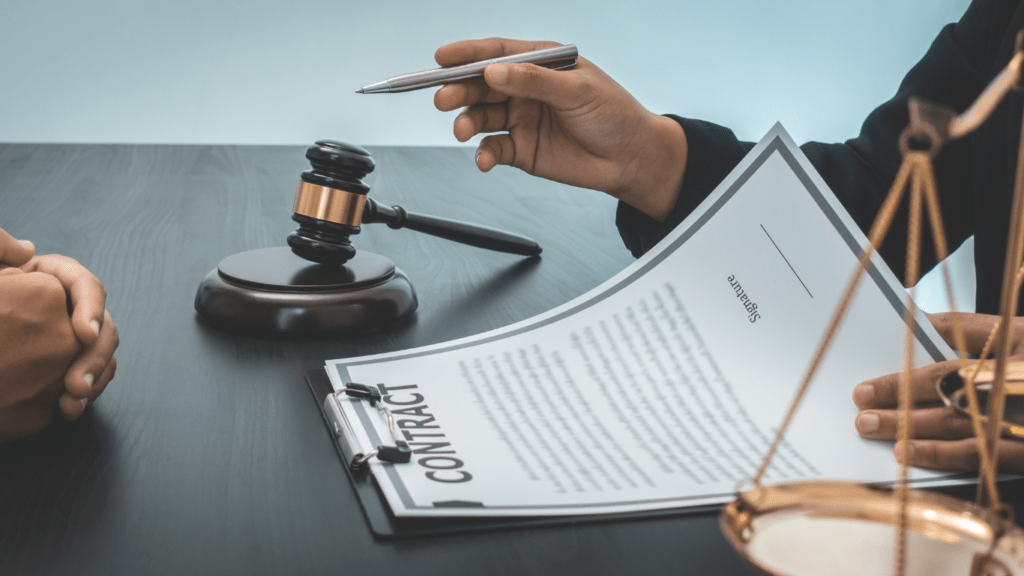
x=273 y=291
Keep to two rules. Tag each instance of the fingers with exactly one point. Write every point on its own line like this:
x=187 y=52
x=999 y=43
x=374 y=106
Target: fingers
x=71 y=408
x=105 y=378
x=88 y=297
x=460 y=94
x=494 y=150
x=559 y=88
x=961 y=454
x=90 y=373
x=480 y=118
x=562 y=90
x=466 y=51
x=883 y=392
x=15 y=252
x=10 y=270
x=85 y=371
x=940 y=423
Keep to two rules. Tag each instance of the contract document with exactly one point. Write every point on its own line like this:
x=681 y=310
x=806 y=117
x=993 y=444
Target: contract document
x=664 y=386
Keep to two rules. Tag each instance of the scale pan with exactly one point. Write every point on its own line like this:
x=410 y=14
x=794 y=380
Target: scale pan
x=843 y=528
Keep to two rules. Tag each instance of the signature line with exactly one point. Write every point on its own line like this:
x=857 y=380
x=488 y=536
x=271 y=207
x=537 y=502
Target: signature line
x=787 y=261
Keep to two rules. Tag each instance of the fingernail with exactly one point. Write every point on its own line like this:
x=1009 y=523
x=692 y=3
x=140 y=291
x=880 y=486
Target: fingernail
x=868 y=422
x=95 y=325
x=898 y=449
x=85 y=403
x=863 y=394
x=498 y=74
x=88 y=380
x=27 y=244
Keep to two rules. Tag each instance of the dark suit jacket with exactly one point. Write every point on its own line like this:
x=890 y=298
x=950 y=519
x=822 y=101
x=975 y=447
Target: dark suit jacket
x=975 y=174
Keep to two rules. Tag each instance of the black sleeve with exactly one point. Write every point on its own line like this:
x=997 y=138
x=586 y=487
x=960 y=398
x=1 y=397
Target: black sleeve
x=860 y=171
x=713 y=152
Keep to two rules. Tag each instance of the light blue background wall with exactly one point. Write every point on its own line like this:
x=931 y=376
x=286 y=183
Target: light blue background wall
x=227 y=71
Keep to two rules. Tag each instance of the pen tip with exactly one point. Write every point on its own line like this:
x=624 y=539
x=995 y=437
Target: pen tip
x=360 y=91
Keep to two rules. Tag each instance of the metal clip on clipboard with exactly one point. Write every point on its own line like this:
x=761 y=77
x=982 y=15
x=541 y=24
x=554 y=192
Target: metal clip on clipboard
x=400 y=453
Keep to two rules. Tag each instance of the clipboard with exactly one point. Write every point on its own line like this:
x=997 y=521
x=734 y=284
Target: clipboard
x=383 y=524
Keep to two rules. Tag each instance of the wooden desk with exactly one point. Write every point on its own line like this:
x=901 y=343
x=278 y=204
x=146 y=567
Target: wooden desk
x=206 y=455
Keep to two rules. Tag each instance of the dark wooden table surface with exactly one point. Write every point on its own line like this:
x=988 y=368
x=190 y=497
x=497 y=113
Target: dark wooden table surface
x=206 y=455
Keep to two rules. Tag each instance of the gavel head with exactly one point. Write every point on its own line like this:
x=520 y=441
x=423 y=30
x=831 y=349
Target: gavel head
x=329 y=202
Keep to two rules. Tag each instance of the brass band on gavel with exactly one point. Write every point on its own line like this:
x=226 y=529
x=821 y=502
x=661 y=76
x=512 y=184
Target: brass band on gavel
x=329 y=204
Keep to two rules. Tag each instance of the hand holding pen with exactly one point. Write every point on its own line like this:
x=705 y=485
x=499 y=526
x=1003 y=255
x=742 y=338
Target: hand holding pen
x=575 y=126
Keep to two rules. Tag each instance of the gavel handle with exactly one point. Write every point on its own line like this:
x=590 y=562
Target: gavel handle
x=480 y=236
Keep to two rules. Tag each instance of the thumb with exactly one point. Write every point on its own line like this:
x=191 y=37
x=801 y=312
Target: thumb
x=560 y=89
x=15 y=252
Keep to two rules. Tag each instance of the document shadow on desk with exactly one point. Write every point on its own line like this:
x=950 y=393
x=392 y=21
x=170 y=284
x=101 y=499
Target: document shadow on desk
x=385 y=525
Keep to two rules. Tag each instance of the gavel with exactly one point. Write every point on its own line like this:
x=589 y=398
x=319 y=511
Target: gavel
x=331 y=203
x=321 y=285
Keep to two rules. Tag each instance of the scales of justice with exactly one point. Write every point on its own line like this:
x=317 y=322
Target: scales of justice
x=833 y=527
x=321 y=285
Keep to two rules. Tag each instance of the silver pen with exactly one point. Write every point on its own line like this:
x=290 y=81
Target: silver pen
x=558 y=57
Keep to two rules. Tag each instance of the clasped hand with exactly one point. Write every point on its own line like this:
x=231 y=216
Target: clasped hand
x=57 y=339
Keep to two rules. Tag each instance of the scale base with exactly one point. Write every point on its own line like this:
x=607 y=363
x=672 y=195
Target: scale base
x=274 y=292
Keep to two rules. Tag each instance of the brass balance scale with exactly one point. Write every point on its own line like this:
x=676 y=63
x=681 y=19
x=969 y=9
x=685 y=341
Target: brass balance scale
x=836 y=528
